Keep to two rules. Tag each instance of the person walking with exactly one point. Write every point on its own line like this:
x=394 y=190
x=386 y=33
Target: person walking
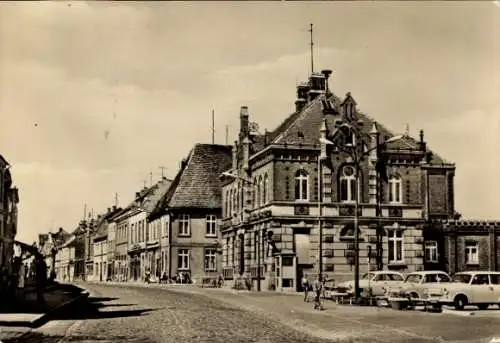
x=317 y=287
x=305 y=287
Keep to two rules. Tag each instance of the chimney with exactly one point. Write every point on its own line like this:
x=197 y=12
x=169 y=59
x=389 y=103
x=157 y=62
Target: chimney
x=327 y=73
x=137 y=194
x=60 y=229
x=235 y=156
x=244 y=126
x=421 y=144
x=109 y=209
x=301 y=101
x=114 y=207
x=246 y=152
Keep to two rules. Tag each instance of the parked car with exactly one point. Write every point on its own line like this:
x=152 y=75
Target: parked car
x=376 y=281
x=478 y=288
x=417 y=282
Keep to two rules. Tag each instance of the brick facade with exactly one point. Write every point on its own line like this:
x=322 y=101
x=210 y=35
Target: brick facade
x=270 y=220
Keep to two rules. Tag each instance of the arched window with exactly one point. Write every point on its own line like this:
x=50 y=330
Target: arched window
x=395 y=189
x=257 y=196
x=234 y=200
x=242 y=196
x=254 y=191
x=261 y=192
x=301 y=185
x=347 y=184
x=266 y=189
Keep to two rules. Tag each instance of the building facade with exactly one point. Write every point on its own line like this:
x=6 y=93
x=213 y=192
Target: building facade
x=9 y=198
x=190 y=213
x=293 y=193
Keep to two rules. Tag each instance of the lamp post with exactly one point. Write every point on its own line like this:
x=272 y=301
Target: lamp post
x=357 y=155
x=259 y=240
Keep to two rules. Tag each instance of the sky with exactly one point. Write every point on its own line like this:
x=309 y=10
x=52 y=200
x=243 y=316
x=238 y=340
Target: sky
x=96 y=96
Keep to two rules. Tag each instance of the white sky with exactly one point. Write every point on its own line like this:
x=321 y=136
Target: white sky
x=150 y=74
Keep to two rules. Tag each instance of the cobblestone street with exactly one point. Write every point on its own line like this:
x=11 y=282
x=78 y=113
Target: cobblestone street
x=155 y=313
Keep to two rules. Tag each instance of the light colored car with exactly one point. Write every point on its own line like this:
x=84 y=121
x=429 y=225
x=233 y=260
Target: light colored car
x=478 y=288
x=376 y=281
x=417 y=282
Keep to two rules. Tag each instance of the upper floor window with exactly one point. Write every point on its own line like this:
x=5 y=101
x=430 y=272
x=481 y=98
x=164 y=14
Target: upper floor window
x=395 y=189
x=431 y=251
x=265 y=190
x=262 y=191
x=237 y=200
x=301 y=185
x=254 y=193
x=471 y=253
x=226 y=203
x=347 y=184
x=184 y=229
x=211 y=226
x=395 y=246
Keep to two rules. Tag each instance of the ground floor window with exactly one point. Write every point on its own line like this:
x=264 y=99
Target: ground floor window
x=431 y=251
x=471 y=253
x=210 y=260
x=395 y=246
x=183 y=259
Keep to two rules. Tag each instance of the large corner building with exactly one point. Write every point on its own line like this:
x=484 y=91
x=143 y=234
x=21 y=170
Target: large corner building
x=284 y=184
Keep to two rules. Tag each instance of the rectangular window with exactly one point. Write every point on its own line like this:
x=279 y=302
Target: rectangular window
x=471 y=253
x=431 y=251
x=183 y=259
x=165 y=226
x=184 y=229
x=210 y=260
x=211 y=226
x=395 y=246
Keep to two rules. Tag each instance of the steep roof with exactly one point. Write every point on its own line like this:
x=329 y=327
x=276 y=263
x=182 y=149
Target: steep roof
x=304 y=127
x=102 y=224
x=197 y=184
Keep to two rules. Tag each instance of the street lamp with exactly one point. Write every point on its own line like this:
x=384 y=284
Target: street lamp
x=259 y=241
x=357 y=156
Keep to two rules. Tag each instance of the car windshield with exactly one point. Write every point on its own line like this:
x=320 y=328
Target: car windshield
x=462 y=278
x=415 y=278
x=367 y=276
x=395 y=277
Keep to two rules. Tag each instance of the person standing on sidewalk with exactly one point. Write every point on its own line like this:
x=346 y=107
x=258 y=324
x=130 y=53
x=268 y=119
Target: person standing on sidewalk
x=305 y=287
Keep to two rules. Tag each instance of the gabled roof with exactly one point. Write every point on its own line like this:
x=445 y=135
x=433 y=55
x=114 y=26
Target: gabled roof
x=304 y=127
x=102 y=224
x=197 y=184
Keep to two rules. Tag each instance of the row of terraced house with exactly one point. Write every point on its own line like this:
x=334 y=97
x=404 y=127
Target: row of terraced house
x=282 y=204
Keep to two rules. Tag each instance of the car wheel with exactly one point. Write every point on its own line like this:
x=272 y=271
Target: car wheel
x=483 y=306
x=460 y=302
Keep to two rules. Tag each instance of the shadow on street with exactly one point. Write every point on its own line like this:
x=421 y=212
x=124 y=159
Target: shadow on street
x=37 y=337
x=90 y=308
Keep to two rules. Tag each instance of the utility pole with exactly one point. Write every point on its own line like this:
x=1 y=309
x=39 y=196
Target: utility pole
x=213 y=127
x=312 y=44
x=162 y=171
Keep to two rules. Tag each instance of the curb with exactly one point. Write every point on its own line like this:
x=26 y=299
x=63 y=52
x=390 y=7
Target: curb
x=46 y=317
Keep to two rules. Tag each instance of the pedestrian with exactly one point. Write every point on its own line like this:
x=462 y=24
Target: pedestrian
x=317 y=287
x=305 y=287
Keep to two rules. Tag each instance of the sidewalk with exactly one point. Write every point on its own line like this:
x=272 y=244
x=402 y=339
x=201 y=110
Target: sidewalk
x=26 y=312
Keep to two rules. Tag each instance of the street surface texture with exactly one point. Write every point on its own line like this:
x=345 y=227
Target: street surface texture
x=154 y=313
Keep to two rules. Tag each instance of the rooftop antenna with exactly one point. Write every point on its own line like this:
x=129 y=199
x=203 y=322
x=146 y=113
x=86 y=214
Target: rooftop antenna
x=213 y=127
x=312 y=44
x=407 y=132
x=144 y=182
x=84 y=211
x=227 y=134
x=116 y=199
x=162 y=171
x=150 y=179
